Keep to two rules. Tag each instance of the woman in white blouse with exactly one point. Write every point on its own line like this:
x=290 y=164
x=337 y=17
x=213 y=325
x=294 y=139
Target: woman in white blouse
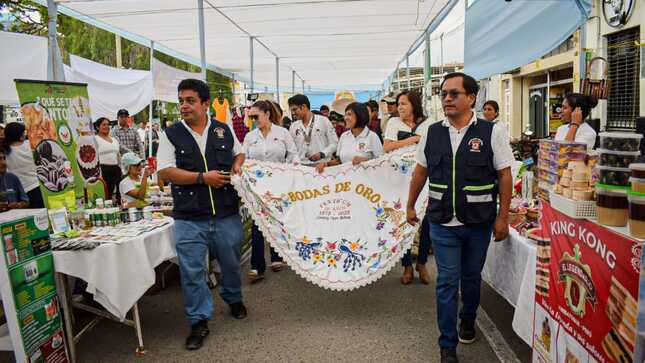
x=20 y=161
x=109 y=156
x=403 y=131
x=576 y=108
x=267 y=142
x=359 y=143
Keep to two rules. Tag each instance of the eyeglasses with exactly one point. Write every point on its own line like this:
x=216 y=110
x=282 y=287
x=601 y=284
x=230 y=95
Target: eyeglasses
x=254 y=117
x=453 y=94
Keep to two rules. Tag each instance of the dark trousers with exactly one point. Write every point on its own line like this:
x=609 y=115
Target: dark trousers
x=35 y=198
x=460 y=254
x=424 y=246
x=112 y=176
x=257 y=251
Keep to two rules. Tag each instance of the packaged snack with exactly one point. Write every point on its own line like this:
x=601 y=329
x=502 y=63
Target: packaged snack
x=638 y=184
x=620 y=141
x=637 y=214
x=613 y=176
x=612 y=206
x=618 y=159
x=638 y=170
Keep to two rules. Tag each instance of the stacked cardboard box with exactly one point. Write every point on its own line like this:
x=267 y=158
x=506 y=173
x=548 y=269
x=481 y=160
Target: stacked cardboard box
x=553 y=158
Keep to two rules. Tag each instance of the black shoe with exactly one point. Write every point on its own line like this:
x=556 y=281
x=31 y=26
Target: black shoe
x=467 y=331
x=238 y=310
x=198 y=332
x=449 y=355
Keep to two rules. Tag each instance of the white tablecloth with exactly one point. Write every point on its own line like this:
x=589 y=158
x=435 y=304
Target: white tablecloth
x=510 y=270
x=119 y=274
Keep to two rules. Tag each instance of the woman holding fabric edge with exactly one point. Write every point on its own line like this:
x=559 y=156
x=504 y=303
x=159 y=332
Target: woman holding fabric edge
x=109 y=156
x=359 y=143
x=402 y=131
x=267 y=142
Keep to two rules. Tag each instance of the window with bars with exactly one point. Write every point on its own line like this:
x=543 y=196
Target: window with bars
x=623 y=57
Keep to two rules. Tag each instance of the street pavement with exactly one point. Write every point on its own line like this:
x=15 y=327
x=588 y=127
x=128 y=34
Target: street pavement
x=291 y=320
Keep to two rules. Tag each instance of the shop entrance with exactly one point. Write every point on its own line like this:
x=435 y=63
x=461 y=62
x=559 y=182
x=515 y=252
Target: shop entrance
x=537 y=108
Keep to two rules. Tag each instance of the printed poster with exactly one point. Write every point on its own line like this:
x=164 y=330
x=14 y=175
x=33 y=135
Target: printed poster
x=30 y=299
x=586 y=293
x=60 y=132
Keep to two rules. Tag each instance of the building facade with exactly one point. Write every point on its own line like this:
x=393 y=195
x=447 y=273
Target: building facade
x=530 y=97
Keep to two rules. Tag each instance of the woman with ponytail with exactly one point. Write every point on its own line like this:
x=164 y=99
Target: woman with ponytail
x=576 y=107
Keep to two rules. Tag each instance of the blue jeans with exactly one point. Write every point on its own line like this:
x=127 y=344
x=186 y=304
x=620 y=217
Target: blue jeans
x=257 y=251
x=460 y=253
x=424 y=246
x=221 y=238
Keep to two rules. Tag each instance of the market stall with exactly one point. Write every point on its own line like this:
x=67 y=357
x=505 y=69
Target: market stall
x=574 y=278
x=118 y=263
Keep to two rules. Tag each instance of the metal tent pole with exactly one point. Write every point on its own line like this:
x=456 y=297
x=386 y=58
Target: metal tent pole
x=427 y=77
x=293 y=82
x=441 y=54
x=202 y=38
x=407 y=69
x=252 y=64
x=233 y=87
x=277 y=79
x=54 y=62
x=303 y=86
x=152 y=54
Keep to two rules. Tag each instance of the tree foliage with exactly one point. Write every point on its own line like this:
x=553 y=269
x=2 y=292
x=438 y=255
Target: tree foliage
x=87 y=41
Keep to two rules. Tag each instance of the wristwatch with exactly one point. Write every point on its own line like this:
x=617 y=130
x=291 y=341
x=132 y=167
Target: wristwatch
x=200 y=178
x=322 y=155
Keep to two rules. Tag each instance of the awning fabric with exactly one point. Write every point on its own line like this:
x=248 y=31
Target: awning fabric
x=344 y=44
x=501 y=35
x=23 y=56
x=111 y=89
x=166 y=80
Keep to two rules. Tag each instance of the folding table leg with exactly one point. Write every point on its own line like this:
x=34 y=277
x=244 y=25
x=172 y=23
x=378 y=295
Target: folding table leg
x=137 y=326
x=64 y=299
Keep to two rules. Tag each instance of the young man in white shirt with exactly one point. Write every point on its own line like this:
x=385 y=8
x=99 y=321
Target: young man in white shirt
x=466 y=162
x=314 y=135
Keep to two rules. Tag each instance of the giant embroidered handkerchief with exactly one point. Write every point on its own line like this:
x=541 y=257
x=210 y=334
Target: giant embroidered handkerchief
x=340 y=230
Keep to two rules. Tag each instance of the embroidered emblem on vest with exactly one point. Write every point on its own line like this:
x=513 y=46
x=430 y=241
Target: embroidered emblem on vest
x=475 y=145
x=220 y=132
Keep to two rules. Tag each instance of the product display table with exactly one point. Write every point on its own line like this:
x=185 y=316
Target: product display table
x=117 y=274
x=510 y=270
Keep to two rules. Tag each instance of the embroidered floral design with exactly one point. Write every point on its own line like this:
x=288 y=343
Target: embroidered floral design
x=332 y=252
x=404 y=164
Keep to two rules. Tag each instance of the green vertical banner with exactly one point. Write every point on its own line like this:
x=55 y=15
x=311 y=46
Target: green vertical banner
x=28 y=288
x=59 y=128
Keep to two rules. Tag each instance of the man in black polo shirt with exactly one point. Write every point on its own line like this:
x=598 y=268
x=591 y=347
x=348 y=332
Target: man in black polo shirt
x=197 y=155
x=467 y=163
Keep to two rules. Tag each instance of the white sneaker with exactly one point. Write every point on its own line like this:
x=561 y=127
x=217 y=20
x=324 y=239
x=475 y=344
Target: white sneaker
x=277 y=266
x=255 y=276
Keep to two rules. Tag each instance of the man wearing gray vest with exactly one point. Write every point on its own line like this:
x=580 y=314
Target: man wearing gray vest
x=466 y=162
x=196 y=156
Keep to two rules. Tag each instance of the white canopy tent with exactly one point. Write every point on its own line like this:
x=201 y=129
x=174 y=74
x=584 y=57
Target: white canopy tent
x=111 y=89
x=25 y=56
x=330 y=44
